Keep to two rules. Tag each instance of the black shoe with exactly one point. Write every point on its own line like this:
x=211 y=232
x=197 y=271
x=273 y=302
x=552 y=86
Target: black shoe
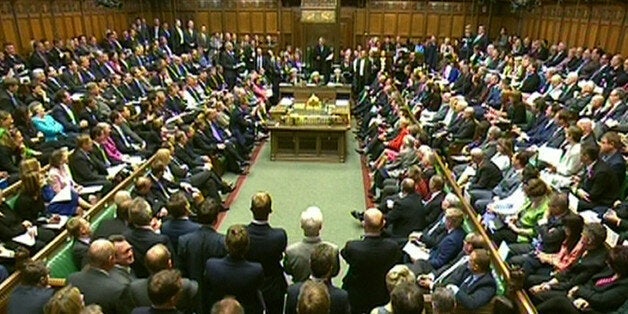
x=359 y=151
x=357 y=215
x=223 y=208
x=228 y=188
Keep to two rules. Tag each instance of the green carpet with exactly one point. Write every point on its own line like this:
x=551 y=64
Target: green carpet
x=336 y=188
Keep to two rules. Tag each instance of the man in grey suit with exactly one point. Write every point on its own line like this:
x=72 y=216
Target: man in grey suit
x=121 y=271
x=297 y=258
x=94 y=281
x=158 y=258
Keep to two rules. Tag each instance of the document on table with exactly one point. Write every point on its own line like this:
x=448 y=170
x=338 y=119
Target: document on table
x=590 y=216
x=57 y=226
x=573 y=203
x=112 y=171
x=90 y=189
x=503 y=250
x=26 y=238
x=550 y=155
x=65 y=195
x=612 y=237
x=416 y=252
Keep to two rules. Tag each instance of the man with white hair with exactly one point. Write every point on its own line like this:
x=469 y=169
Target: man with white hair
x=297 y=258
x=570 y=88
x=588 y=138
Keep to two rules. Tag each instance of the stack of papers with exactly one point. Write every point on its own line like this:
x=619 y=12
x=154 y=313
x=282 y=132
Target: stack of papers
x=112 y=171
x=416 y=252
x=26 y=238
x=86 y=190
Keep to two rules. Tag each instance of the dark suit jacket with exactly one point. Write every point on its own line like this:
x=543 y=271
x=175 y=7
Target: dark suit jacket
x=433 y=208
x=99 y=288
x=530 y=83
x=338 y=297
x=618 y=166
x=601 y=184
x=142 y=240
x=61 y=116
x=138 y=289
x=369 y=261
x=589 y=264
x=174 y=228
x=29 y=299
x=85 y=169
x=79 y=253
x=197 y=247
x=607 y=298
x=110 y=227
x=239 y=278
x=447 y=248
x=266 y=247
x=8 y=105
x=486 y=177
x=464 y=130
x=407 y=215
x=474 y=293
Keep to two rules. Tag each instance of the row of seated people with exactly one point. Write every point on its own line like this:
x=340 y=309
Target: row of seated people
x=512 y=195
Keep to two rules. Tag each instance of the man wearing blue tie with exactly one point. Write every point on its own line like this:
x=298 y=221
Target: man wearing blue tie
x=8 y=99
x=476 y=288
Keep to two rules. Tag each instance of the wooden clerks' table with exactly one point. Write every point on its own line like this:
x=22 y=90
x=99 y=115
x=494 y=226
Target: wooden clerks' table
x=300 y=132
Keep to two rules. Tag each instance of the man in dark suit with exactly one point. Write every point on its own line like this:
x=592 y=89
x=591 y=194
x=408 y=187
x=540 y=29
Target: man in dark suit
x=532 y=80
x=39 y=57
x=487 y=175
x=63 y=113
x=434 y=203
x=177 y=37
x=320 y=54
x=369 y=260
x=86 y=170
x=124 y=257
x=235 y=276
x=610 y=152
x=158 y=258
x=195 y=248
x=190 y=37
x=96 y=284
x=322 y=261
x=163 y=293
x=179 y=209
x=407 y=213
x=141 y=236
x=478 y=288
x=32 y=294
x=229 y=63
x=598 y=188
x=8 y=95
x=448 y=247
x=267 y=247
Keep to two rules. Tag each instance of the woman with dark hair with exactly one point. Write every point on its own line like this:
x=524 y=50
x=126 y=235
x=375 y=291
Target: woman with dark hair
x=539 y=265
x=605 y=292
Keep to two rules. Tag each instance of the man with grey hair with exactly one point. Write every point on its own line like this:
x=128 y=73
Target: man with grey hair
x=297 y=257
x=588 y=138
x=487 y=174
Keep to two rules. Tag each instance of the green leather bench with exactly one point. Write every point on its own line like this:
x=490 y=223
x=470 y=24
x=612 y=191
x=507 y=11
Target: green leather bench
x=61 y=264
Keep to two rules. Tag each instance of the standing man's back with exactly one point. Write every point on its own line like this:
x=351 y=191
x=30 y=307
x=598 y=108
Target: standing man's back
x=267 y=247
x=369 y=260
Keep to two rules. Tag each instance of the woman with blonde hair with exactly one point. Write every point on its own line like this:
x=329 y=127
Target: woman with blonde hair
x=397 y=275
x=68 y=300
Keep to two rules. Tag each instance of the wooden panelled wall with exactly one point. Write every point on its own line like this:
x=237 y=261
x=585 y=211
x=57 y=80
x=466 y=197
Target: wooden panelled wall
x=580 y=25
x=576 y=24
x=24 y=20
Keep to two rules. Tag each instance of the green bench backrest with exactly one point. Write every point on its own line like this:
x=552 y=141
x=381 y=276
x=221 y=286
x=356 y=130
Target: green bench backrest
x=61 y=265
x=109 y=213
x=11 y=201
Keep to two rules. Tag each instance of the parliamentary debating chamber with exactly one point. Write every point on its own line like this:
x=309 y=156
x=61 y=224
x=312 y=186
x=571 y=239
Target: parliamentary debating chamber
x=313 y=156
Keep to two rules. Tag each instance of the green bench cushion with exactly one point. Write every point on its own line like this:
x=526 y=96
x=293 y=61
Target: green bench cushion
x=11 y=201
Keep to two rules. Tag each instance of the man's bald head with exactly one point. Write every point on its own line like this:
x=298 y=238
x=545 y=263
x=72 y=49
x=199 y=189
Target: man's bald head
x=158 y=258
x=373 y=220
x=101 y=254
